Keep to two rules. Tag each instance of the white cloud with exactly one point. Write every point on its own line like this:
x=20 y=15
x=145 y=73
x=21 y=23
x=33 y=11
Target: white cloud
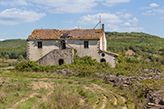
x=153 y=5
x=126 y=24
x=150 y=12
x=126 y=16
x=16 y=16
x=154 y=12
x=70 y=21
x=67 y=6
x=13 y=2
x=134 y=21
x=110 y=3
x=158 y=10
x=121 y=12
x=2 y=33
x=162 y=18
x=94 y=19
x=130 y=29
x=2 y=39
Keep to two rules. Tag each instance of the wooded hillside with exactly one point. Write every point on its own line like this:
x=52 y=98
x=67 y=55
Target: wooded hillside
x=13 y=48
x=142 y=44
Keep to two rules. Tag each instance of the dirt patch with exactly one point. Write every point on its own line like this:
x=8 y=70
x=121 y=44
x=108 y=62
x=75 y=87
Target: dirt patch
x=130 y=52
x=42 y=84
x=97 y=102
x=81 y=101
x=104 y=101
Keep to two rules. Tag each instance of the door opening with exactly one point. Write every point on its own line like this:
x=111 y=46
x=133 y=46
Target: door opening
x=102 y=60
x=61 y=61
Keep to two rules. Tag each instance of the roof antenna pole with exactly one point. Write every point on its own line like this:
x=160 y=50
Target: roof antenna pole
x=98 y=22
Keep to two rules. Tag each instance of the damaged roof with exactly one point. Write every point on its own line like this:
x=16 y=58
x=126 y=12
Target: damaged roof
x=49 y=34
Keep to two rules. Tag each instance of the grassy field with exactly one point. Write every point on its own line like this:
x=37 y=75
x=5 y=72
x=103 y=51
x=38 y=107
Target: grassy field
x=31 y=90
x=74 y=86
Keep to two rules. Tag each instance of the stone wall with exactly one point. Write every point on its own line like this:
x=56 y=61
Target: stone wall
x=57 y=57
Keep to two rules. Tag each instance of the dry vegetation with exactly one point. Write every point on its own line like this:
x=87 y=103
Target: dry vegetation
x=52 y=91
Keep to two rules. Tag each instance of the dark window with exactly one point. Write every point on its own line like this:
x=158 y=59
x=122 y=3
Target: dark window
x=102 y=54
x=63 y=46
x=102 y=60
x=61 y=61
x=86 y=44
x=39 y=44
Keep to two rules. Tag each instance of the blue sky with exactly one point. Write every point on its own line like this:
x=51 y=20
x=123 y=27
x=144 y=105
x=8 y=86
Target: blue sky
x=18 y=18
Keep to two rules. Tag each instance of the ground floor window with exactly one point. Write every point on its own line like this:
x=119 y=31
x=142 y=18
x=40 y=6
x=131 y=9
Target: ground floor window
x=102 y=60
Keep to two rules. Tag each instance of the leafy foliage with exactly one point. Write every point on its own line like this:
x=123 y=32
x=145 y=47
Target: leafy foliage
x=32 y=66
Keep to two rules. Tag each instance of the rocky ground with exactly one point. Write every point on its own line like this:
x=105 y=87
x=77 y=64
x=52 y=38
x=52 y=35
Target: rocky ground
x=155 y=99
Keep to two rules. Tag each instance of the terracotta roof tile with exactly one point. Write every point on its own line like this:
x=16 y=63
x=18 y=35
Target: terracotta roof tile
x=110 y=52
x=70 y=34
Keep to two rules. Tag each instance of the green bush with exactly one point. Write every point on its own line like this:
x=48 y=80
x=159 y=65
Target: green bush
x=32 y=66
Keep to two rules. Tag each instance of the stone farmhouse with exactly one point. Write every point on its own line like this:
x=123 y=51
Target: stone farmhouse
x=56 y=47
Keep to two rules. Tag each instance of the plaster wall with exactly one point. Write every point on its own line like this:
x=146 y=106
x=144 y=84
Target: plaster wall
x=103 y=42
x=34 y=53
x=110 y=58
x=92 y=50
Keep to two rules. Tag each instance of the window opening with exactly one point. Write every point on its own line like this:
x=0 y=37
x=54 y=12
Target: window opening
x=39 y=44
x=63 y=46
x=102 y=54
x=86 y=44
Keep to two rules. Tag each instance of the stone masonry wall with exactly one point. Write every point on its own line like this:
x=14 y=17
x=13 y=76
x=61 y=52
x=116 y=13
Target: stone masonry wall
x=53 y=57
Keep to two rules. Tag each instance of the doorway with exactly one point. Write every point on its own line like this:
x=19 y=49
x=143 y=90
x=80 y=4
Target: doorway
x=61 y=61
x=102 y=60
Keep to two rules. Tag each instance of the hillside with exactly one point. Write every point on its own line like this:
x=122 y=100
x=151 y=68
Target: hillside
x=141 y=43
x=13 y=48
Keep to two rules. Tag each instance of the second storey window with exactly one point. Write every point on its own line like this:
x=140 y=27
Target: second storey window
x=39 y=44
x=86 y=44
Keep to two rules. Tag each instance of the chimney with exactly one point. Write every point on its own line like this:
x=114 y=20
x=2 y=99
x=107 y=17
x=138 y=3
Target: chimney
x=79 y=27
x=103 y=28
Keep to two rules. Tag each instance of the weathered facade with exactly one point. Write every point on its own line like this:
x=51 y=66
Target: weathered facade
x=51 y=46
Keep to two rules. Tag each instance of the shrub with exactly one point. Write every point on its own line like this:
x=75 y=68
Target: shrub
x=32 y=66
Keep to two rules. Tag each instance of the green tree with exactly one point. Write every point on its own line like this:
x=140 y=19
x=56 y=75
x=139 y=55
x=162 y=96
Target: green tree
x=6 y=56
x=20 y=58
x=120 y=60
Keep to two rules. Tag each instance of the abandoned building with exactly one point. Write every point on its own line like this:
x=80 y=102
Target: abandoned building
x=56 y=47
